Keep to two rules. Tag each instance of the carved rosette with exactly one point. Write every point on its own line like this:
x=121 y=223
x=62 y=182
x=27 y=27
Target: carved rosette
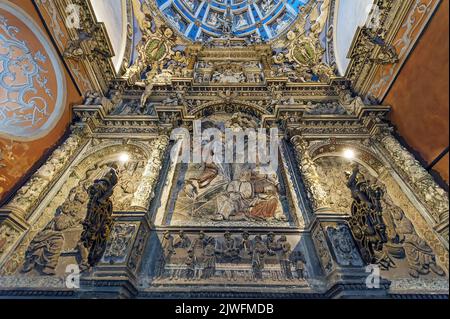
x=316 y=194
x=427 y=190
x=29 y=195
x=145 y=191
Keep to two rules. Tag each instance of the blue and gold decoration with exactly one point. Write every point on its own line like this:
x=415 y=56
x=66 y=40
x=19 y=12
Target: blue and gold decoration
x=200 y=20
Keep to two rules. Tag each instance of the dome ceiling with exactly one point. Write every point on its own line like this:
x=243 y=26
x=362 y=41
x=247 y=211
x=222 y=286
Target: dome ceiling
x=200 y=20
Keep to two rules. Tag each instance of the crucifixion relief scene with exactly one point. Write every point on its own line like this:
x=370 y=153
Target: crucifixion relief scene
x=224 y=149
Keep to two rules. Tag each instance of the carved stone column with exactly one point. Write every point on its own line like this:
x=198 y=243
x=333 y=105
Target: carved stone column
x=311 y=179
x=427 y=191
x=145 y=191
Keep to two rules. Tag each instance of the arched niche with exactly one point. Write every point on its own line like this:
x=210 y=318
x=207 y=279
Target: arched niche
x=332 y=165
x=69 y=194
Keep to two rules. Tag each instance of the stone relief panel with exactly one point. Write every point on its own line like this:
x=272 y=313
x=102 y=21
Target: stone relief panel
x=227 y=258
x=120 y=242
x=344 y=247
x=384 y=233
x=338 y=195
x=238 y=193
x=52 y=241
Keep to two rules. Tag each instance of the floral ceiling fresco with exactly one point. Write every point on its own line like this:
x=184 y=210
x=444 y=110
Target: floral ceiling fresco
x=34 y=93
x=200 y=20
x=31 y=80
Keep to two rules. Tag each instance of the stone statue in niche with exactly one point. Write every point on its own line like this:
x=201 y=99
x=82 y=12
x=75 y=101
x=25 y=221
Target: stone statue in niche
x=199 y=243
x=190 y=262
x=246 y=245
x=45 y=249
x=98 y=222
x=209 y=259
x=271 y=244
x=230 y=251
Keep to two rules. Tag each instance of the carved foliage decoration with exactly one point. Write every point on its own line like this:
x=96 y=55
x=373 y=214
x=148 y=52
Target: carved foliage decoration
x=323 y=253
x=433 y=196
x=34 y=189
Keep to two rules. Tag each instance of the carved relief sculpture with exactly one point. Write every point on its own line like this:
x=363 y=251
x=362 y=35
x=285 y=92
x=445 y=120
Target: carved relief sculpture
x=98 y=222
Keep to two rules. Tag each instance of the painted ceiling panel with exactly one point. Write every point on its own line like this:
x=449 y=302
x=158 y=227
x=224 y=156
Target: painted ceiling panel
x=204 y=19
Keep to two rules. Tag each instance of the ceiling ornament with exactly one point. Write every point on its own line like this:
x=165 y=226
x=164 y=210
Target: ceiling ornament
x=202 y=20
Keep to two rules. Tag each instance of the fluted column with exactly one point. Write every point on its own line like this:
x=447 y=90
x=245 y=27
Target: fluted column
x=311 y=179
x=145 y=190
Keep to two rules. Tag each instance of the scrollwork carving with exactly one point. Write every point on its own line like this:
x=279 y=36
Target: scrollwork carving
x=433 y=196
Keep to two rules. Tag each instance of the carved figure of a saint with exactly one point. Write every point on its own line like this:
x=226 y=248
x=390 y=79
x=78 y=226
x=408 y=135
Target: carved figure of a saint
x=45 y=249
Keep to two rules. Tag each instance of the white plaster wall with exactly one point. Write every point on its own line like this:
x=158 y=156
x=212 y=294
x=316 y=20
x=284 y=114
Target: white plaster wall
x=349 y=15
x=113 y=14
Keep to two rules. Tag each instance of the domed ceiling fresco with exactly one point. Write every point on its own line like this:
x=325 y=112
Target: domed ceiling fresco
x=200 y=20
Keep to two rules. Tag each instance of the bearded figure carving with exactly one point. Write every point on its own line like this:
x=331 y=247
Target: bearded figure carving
x=45 y=249
x=404 y=242
x=98 y=222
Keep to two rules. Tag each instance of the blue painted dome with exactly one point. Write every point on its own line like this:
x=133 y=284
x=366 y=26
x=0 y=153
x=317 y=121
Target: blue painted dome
x=204 y=19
